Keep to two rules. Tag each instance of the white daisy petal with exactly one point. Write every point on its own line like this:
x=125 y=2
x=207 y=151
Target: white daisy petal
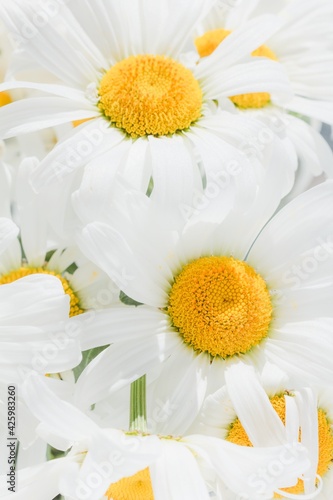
x=33 y=236
x=299 y=240
x=184 y=377
x=304 y=350
x=46 y=43
x=262 y=75
x=11 y=257
x=176 y=474
x=90 y=140
x=32 y=481
x=239 y=43
x=172 y=168
x=51 y=409
x=51 y=88
x=252 y=462
x=8 y=233
x=124 y=323
x=118 y=366
x=307 y=404
x=36 y=113
x=261 y=423
x=189 y=13
x=321 y=110
x=123 y=267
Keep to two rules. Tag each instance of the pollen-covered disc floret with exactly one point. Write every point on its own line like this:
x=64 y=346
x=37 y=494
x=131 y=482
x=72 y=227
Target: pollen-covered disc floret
x=75 y=308
x=136 y=487
x=220 y=305
x=207 y=43
x=238 y=435
x=150 y=95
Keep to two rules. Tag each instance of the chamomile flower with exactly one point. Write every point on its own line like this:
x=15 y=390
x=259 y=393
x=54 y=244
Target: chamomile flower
x=302 y=45
x=253 y=413
x=33 y=253
x=224 y=286
x=108 y=463
x=133 y=84
x=34 y=312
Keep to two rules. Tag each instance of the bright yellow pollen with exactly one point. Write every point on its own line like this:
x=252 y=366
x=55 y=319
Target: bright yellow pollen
x=137 y=487
x=207 y=43
x=5 y=98
x=76 y=123
x=150 y=95
x=238 y=436
x=27 y=271
x=220 y=305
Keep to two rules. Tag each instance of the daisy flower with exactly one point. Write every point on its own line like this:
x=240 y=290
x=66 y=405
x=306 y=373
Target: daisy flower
x=133 y=84
x=225 y=285
x=109 y=462
x=34 y=310
x=302 y=45
x=32 y=252
x=33 y=329
x=250 y=412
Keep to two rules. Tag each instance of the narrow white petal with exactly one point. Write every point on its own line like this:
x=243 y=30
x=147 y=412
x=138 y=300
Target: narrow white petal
x=35 y=113
x=50 y=410
x=304 y=351
x=127 y=269
x=321 y=110
x=89 y=140
x=176 y=474
x=261 y=75
x=118 y=324
x=184 y=377
x=31 y=215
x=253 y=408
x=295 y=248
x=120 y=364
x=239 y=44
x=8 y=233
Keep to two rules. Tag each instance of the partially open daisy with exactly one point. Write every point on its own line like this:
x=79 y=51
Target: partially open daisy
x=302 y=46
x=132 y=83
x=119 y=464
x=33 y=253
x=215 y=289
x=253 y=413
x=34 y=312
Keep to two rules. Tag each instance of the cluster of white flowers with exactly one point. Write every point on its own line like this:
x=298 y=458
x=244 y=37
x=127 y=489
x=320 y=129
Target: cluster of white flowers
x=166 y=250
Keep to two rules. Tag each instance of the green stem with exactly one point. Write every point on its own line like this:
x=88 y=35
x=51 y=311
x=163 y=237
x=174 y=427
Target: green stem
x=138 y=413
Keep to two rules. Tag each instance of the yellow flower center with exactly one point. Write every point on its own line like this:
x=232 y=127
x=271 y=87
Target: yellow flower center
x=137 y=487
x=5 y=98
x=238 y=436
x=220 y=305
x=150 y=95
x=207 y=43
x=75 y=308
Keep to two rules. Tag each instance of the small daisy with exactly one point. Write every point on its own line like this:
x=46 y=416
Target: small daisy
x=133 y=84
x=108 y=463
x=217 y=288
x=302 y=45
x=250 y=413
x=30 y=253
